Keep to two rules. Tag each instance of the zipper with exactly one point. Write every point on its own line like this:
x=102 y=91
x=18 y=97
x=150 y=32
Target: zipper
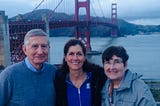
x=79 y=94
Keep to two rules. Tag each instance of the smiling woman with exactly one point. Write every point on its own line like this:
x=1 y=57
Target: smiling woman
x=123 y=87
x=78 y=82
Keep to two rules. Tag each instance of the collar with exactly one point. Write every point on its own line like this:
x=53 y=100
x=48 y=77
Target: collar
x=89 y=74
x=30 y=66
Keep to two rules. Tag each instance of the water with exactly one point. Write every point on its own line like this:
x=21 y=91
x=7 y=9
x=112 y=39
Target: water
x=143 y=50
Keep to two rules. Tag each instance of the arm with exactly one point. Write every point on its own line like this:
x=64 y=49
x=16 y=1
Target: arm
x=5 y=88
x=147 y=98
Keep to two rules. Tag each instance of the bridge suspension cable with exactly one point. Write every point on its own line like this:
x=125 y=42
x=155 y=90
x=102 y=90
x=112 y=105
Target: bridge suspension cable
x=100 y=8
x=38 y=5
x=51 y=14
x=93 y=8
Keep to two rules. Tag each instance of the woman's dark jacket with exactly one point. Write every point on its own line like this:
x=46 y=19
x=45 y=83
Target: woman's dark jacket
x=97 y=81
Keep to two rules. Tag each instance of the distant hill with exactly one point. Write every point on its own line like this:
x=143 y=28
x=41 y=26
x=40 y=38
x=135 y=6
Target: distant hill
x=125 y=28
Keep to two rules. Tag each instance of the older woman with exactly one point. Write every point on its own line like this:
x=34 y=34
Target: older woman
x=78 y=82
x=123 y=88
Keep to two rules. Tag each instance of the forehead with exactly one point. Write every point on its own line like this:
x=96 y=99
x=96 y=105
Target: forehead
x=114 y=57
x=38 y=40
x=75 y=48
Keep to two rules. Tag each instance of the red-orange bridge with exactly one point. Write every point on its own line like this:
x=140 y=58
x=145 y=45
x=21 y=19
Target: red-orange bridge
x=17 y=29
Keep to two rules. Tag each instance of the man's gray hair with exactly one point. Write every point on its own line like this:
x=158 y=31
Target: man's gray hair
x=35 y=32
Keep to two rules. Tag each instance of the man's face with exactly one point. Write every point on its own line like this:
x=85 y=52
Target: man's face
x=37 y=50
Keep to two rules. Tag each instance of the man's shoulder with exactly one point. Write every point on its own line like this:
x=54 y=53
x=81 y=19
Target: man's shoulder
x=50 y=66
x=14 y=66
x=11 y=69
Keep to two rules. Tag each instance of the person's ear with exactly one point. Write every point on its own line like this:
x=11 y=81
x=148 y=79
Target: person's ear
x=64 y=58
x=24 y=49
x=126 y=64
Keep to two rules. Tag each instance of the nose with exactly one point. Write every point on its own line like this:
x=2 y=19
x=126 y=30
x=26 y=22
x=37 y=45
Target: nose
x=39 y=50
x=75 y=56
x=112 y=67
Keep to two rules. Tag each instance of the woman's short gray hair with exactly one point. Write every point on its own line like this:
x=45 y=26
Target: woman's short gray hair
x=35 y=32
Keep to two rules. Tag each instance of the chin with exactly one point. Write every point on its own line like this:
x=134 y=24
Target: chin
x=113 y=78
x=40 y=61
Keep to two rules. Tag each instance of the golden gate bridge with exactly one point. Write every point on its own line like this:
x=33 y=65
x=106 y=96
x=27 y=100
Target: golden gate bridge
x=18 y=28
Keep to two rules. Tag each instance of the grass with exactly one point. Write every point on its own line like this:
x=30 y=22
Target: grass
x=155 y=89
x=156 y=94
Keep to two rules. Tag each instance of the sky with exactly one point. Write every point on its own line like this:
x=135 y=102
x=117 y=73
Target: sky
x=127 y=9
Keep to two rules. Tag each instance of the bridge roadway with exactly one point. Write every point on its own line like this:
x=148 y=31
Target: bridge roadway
x=59 y=24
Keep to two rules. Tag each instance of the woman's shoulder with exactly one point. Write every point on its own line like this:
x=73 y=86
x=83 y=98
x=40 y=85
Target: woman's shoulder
x=60 y=75
x=95 y=67
x=98 y=75
x=140 y=86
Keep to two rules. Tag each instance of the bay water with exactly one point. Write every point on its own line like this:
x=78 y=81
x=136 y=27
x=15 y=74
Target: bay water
x=143 y=51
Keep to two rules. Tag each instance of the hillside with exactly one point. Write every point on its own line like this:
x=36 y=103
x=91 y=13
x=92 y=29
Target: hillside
x=125 y=28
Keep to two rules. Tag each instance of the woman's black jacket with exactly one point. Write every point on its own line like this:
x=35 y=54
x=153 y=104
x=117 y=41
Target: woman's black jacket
x=98 y=79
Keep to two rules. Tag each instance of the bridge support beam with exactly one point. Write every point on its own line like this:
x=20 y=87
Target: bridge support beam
x=46 y=20
x=4 y=40
x=85 y=36
x=114 y=20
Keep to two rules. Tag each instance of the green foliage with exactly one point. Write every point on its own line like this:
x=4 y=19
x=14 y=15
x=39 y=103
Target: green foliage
x=156 y=94
x=155 y=88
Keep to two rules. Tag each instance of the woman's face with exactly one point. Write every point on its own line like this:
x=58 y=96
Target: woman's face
x=75 y=58
x=114 y=68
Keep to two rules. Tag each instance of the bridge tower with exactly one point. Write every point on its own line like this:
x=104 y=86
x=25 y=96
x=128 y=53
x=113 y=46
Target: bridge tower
x=4 y=40
x=114 y=20
x=84 y=36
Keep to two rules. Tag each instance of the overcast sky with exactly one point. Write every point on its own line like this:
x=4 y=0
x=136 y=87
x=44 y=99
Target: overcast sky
x=126 y=8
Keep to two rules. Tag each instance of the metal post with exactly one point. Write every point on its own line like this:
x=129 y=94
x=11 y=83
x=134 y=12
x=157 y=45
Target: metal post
x=5 y=57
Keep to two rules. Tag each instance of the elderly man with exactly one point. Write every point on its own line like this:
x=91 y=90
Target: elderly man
x=29 y=82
